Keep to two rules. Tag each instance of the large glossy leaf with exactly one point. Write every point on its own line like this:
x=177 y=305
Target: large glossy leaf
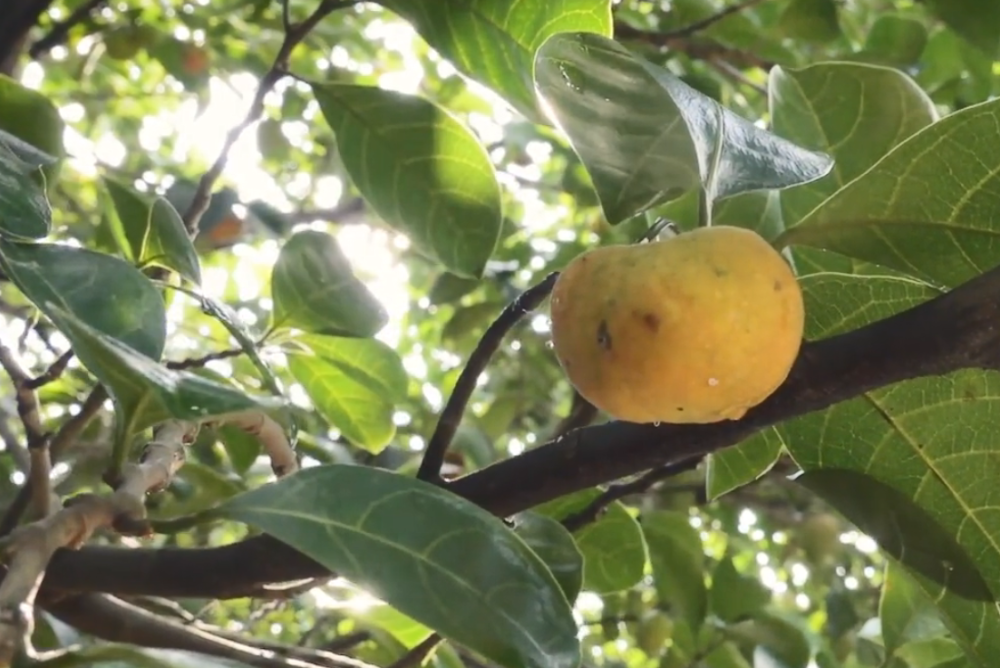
x=105 y=292
x=494 y=41
x=932 y=439
x=354 y=383
x=420 y=169
x=857 y=113
x=734 y=596
x=144 y=391
x=614 y=552
x=928 y=208
x=678 y=561
x=315 y=290
x=441 y=560
x=743 y=463
x=153 y=230
x=24 y=208
x=680 y=140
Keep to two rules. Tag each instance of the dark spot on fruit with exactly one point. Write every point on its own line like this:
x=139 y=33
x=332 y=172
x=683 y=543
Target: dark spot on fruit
x=603 y=335
x=777 y=286
x=680 y=409
x=651 y=320
x=719 y=271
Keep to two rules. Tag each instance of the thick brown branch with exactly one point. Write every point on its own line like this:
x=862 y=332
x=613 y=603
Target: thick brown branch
x=951 y=332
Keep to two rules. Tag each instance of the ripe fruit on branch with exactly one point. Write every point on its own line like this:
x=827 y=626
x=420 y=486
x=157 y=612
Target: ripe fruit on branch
x=696 y=328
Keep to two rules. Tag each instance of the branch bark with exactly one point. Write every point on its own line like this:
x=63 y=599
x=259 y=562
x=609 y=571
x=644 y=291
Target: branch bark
x=954 y=331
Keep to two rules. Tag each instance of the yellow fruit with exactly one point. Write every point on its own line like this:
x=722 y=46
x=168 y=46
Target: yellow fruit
x=697 y=328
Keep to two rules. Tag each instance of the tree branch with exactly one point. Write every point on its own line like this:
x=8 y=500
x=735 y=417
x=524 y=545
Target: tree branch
x=954 y=331
x=451 y=416
x=115 y=620
x=709 y=21
x=60 y=31
x=703 y=49
x=293 y=36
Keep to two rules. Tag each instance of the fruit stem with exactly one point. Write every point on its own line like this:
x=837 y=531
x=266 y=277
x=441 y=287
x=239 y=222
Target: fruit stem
x=704 y=208
x=660 y=226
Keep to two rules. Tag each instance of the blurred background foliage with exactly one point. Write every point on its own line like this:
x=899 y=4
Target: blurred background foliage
x=146 y=91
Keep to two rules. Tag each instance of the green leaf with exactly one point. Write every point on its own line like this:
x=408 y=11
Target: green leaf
x=741 y=464
x=927 y=208
x=678 y=561
x=614 y=552
x=977 y=21
x=448 y=288
x=104 y=292
x=421 y=171
x=144 y=391
x=904 y=610
x=494 y=41
x=354 y=383
x=902 y=528
x=734 y=596
x=154 y=231
x=896 y=39
x=408 y=632
x=24 y=208
x=314 y=289
x=933 y=438
x=33 y=118
x=775 y=637
x=811 y=20
x=681 y=141
x=555 y=546
x=242 y=448
x=435 y=557
x=855 y=112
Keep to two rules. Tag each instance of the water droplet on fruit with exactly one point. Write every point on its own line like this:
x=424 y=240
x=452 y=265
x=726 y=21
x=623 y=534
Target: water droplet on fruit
x=657 y=423
x=713 y=381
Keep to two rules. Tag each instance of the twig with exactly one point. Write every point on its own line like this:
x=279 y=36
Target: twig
x=619 y=491
x=40 y=471
x=271 y=436
x=451 y=416
x=294 y=35
x=52 y=373
x=60 y=31
x=115 y=620
x=416 y=656
x=30 y=547
x=65 y=436
x=581 y=413
x=708 y=21
x=695 y=48
x=198 y=362
x=345 y=642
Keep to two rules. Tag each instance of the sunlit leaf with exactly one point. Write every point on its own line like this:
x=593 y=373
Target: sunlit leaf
x=928 y=208
x=315 y=289
x=855 y=112
x=106 y=293
x=420 y=169
x=443 y=561
x=905 y=611
x=494 y=41
x=681 y=141
x=741 y=464
x=354 y=383
x=144 y=391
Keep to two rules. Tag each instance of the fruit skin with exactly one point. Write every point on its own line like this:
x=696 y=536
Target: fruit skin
x=696 y=328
